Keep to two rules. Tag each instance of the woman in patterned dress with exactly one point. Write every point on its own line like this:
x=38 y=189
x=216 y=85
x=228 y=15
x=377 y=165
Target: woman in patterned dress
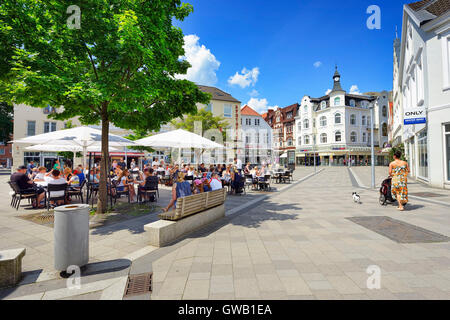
x=399 y=170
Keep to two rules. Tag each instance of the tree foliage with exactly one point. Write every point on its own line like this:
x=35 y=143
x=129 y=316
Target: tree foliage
x=6 y=122
x=119 y=67
x=206 y=118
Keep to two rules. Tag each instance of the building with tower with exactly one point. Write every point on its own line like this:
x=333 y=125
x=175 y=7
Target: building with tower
x=335 y=128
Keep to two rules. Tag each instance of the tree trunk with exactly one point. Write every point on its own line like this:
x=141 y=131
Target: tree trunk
x=102 y=203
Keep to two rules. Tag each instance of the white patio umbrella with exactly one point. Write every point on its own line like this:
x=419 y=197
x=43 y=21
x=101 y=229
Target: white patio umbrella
x=178 y=139
x=83 y=137
x=62 y=148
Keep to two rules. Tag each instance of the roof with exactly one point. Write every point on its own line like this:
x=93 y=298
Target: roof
x=247 y=111
x=427 y=10
x=218 y=94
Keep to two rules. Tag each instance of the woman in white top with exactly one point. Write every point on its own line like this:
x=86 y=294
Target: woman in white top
x=56 y=178
x=40 y=176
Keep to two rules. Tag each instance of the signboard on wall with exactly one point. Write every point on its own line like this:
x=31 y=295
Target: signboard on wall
x=415 y=116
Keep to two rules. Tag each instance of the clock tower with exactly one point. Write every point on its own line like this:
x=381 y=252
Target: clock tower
x=337 y=81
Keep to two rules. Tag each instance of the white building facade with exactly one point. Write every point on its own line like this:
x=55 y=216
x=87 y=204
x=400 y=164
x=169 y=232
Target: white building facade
x=423 y=83
x=335 y=129
x=256 y=137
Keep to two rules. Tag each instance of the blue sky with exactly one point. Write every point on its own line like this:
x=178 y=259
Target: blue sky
x=289 y=47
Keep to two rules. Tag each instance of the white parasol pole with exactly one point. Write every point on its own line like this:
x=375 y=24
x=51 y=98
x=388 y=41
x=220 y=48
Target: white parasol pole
x=84 y=154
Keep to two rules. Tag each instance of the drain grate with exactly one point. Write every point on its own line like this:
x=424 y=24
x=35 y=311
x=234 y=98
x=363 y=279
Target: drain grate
x=138 y=284
x=427 y=194
x=398 y=231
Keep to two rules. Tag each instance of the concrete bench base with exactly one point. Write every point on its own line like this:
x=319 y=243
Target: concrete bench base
x=164 y=232
x=11 y=267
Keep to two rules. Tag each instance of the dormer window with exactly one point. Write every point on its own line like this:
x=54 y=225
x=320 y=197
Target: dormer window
x=323 y=105
x=352 y=103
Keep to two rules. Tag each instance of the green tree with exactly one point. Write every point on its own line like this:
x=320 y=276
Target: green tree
x=206 y=118
x=401 y=148
x=118 y=66
x=139 y=134
x=6 y=122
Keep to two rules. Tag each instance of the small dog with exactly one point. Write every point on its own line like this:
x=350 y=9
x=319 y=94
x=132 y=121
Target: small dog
x=356 y=197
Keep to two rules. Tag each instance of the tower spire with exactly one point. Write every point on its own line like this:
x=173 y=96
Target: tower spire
x=337 y=81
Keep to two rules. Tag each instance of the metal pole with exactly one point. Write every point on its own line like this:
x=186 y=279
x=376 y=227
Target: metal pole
x=372 y=146
x=314 y=150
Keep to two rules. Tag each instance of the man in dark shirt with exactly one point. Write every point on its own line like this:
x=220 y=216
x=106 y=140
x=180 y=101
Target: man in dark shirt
x=26 y=185
x=122 y=164
x=150 y=182
x=202 y=168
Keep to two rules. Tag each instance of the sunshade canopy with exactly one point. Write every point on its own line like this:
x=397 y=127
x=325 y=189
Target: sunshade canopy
x=80 y=136
x=178 y=139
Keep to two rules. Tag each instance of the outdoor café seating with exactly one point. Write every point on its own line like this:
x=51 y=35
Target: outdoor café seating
x=19 y=195
x=77 y=191
x=53 y=191
x=148 y=191
x=116 y=193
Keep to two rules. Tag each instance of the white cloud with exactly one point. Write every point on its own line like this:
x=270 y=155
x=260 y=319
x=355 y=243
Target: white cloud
x=260 y=105
x=354 y=89
x=203 y=63
x=254 y=93
x=328 y=91
x=245 y=78
x=317 y=64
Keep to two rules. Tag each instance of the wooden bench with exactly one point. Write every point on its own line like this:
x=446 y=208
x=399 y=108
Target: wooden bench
x=195 y=203
x=11 y=267
x=192 y=213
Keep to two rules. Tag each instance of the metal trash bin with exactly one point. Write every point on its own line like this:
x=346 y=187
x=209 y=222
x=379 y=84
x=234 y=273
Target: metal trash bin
x=71 y=236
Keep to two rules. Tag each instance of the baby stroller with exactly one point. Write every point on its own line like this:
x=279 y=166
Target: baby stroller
x=385 y=192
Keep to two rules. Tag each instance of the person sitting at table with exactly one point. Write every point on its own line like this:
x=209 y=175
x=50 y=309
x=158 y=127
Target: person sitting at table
x=56 y=178
x=202 y=168
x=226 y=175
x=191 y=172
x=147 y=180
x=27 y=186
x=247 y=168
x=93 y=177
x=215 y=182
x=206 y=185
x=40 y=176
x=34 y=172
x=80 y=173
x=180 y=189
x=73 y=180
x=126 y=183
x=262 y=171
x=255 y=172
x=198 y=186
x=67 y=173
x=236 y=179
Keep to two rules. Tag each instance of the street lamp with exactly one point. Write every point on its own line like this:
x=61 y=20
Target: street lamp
x=314 y=148
x=372 y=146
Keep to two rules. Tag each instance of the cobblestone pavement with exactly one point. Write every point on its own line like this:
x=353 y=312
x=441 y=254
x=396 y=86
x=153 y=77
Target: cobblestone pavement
x=109 y=245
x=298 y=244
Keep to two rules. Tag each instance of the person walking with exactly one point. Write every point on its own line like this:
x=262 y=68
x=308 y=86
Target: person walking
x=399 y=170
